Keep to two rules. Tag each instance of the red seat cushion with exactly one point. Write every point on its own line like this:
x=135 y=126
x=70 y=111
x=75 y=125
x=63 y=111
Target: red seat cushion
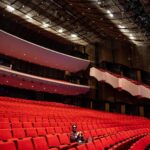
x=7 y=146
x=25 y=144
x=40 y=143
x=18 y=133
x=5 y=134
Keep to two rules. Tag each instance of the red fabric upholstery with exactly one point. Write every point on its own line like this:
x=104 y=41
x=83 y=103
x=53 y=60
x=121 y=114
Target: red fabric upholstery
x=18 y=133
x=90 y=146
x=5 y=134
x=31 y=132
x=41 y=131
x=81 y=147
x=40 y=143
x=7 y=146
x=25 y=144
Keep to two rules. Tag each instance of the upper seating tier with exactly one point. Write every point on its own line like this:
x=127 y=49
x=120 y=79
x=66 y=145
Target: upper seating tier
x=27 y=81
x=116 y=81
x=33 y=53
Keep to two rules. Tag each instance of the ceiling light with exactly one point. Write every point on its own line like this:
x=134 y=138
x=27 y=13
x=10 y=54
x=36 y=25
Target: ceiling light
x=28 y=17
x=111 y=15
x=131 y=36
x=10 y=8
x=45 y=25
x=99 y=2
x=73 y=35
x=60 y=30
x=108 y=11
x=120 y=26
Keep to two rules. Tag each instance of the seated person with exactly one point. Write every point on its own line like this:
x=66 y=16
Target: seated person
x=76 y=136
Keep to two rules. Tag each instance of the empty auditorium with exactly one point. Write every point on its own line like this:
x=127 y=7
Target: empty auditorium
x=74 y=74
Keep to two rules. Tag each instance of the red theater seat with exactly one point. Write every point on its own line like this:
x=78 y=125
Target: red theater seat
x=4 y=125
x=14 y=120
x=90 y=146
x=50 y=130
x=4 y=119
x=7 y=146
x=45 y=124
x=81 y=147
x=27 y=125
x=72 y=148
x=18 y=133
x=41 y=131
x=58 y=130
x=40 y=143
x=64 y=140
x=53 y=142
x=37 y=124
x=5 y=134
x=98 y=144
x=31 y=132
x=25 y=144
x=16 y=125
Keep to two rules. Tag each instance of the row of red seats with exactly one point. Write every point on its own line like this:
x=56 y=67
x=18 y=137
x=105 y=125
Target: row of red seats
x=24 y=120
x=52 y=142
x=141 y=144
x=62 y=141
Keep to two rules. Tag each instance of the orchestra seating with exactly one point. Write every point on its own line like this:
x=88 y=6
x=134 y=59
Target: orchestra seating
x=41 y=125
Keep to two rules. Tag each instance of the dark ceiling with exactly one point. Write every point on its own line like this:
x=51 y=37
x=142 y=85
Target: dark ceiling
x=86 y=21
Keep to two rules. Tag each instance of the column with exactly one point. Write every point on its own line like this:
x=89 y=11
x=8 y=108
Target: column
x=123 y=109
x=141 y=110
x=107 y=107
x=138 y=74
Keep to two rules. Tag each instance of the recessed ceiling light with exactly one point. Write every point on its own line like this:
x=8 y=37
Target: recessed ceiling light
x=60 y=30
x=111 y=15
x=131 y=34
x=108 y=11
x=73 y=35
x=28 y=17
x=132 y=37
x=45 y=25
x=99 y=3
x=10 y=8
x=121 y=26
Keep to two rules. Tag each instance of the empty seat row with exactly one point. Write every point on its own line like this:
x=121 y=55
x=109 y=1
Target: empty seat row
x=6 y=134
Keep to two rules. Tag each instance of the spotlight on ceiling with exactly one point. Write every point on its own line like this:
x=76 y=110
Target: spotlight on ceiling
x=110 y=13
x=10 y=8
x=28 y=17
x=121 y=26
x=45 y=25
x=60 y=30
x=131 y=36
x=73 y=35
